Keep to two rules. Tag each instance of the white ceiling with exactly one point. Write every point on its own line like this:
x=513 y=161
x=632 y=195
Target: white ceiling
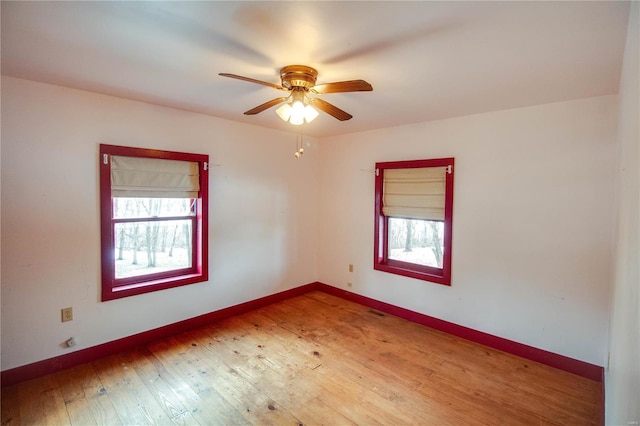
x=425 y=60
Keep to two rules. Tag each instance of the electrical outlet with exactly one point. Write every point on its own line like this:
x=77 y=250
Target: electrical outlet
x=67 y=314
x=350 y=267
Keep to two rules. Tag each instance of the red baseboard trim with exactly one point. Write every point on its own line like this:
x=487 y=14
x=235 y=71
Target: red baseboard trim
x=580 y=368
x=73 y=359
x=53 y=365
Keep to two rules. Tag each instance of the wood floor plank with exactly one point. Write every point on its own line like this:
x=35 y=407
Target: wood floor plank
x=508 y=373
x=10 y=406
x=333 y=365
x=79 y=412
x=81 y=388
x=317 y=412
x=421 y=412
x=133 y=402
x=157 y=385
x=240 y=393
x=317 y=328
x=314 y=359
x=239 y=388
x=103 y=410
x=287 y=378
x=186 y=370
x=477 y=405
x=41 y=402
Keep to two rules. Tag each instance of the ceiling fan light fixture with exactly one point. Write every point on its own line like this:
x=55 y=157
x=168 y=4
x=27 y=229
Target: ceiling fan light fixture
x=310 y=113
x=284 y=112
x=297 y=113
x=297 y=109
x=296 y=120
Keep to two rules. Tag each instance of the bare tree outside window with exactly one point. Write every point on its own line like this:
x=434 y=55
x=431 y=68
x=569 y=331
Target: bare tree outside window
x=148 y=238
x=416 y=241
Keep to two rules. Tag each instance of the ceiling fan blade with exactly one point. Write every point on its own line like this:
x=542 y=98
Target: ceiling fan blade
x=266 y=105
x=332 y=110
x=343 y=86
x=252 y=80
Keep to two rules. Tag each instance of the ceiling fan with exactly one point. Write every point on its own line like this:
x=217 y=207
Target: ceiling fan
x=300 y=80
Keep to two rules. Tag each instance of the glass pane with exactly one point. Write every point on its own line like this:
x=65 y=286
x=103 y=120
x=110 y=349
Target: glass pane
x=416 y=241
x=150 y=247
x=125 y=208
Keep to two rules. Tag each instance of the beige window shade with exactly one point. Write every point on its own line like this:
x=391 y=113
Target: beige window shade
x=414 y=193
x=154 y=177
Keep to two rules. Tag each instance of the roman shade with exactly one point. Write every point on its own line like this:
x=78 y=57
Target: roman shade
x=414 y=193
x=154 y=178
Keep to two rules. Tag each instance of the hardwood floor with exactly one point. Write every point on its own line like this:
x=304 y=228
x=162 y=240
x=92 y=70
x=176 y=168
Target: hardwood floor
x=313 y=359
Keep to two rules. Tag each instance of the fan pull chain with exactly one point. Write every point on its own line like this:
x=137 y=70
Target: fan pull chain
x=299 y=149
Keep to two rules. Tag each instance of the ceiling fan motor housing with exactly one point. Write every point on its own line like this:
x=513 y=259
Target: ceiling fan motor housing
x=302 y=76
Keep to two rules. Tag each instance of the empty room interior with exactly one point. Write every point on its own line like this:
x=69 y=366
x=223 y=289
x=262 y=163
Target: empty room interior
x=320 y=212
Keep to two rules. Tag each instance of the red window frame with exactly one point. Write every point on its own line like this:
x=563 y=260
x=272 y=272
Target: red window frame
x=381 y=261
x=113 y=288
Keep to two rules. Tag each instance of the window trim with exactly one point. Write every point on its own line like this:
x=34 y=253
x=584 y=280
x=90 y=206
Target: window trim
x=163 y=280
x=381 y=261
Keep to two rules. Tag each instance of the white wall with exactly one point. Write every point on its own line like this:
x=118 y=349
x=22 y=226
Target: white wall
x=532 y=226
x=262 y=231
x=623 y=377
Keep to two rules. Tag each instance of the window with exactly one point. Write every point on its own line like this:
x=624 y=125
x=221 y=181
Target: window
x=413 y=218
x=154 y=214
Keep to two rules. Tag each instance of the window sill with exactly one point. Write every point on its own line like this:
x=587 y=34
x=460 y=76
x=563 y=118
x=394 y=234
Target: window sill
x=155 y=285
x=398 y=269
